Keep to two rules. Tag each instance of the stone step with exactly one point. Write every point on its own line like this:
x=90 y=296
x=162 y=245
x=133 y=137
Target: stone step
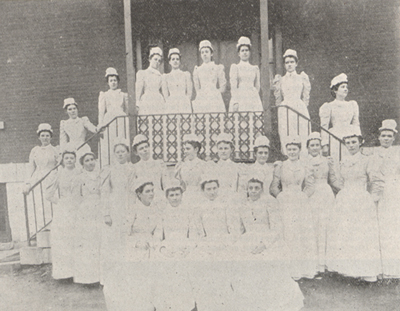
x=33 y=255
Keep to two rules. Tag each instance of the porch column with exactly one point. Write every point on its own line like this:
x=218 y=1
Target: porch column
x=278 y=49
x=265 y=78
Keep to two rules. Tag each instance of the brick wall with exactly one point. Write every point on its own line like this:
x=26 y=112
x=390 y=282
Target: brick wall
x=50 y=50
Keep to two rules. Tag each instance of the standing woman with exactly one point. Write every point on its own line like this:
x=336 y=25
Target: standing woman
x=322 y=199
x=245 y=81
x=88 y=223
x=287 y=186
x=292 y=90
x=149 y=99
x=177 y=86
x=62 y=194
x=113 y=103
x=209 y=81
x=353 y=237
x=74 y=130
x=116 y=197
x=341 y=114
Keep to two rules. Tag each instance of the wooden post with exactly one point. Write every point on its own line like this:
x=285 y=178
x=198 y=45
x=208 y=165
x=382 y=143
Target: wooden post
x=265 y=78
x=139 y=63
x=278 y=49
x=130 y=68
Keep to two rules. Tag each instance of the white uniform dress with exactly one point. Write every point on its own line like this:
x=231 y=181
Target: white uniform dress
x=113 y=103
x=148 y=92
x=353 y=243
x=177 y=89
x=262 y=281
x=73 y=134
x=190 y=172
x=245 y=87
x=62 y=192
x=88 y=228
x=228 y=173
x=209 y=80
x=263 y=171
x=293 y=90
x=341 y=115
x=297 y=216
x=151 y=170
x=384 y=170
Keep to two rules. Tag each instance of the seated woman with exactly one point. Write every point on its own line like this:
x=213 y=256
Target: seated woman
x=73 y=131
x=177 y=86
x=245 y=80
x=113 y=103
x=260 y=248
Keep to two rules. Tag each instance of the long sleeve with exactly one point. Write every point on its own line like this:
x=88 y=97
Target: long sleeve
x=139 y=85
x=233 y=79
x=257 y=82
x=164 y=86
x=32 y=164
x=276 y=86
x=276 y=186
x=306 y=88
x=51 y=192
x=189 y=85
x=63 y=136
x=375 y=176
x=196 y=79
x=309 y=182
x=89 y=125
x=325 y=118
x=105 y=187
x=356 y=114
x=333 y=178
x=102 y=107
x=221 y=78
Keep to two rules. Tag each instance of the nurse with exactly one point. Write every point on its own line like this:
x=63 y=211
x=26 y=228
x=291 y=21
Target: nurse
x=209 y=81
x=322 y=198
x=149 y=99
x=73 y=131
x=177 y=86
x=62 y=193
x=353 y=237
x=88 y=223
x=297 y=217
x=292 y=90
x=113 y=103
x=245 y=80
x=341 y=114
x=384 y=172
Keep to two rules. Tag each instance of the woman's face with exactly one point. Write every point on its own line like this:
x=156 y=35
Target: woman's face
x=206 y=54
x=386 y=138
x=224 y=151
x=314 y=147
x=155 y=61
x=113 y=82
x=262 y=155
x=254 y=190
x=211 y=190
x=342 y=91
x=72 y=111
x=189 y=152
x=175 y=61
x=293 y=152
x=147 y=196
x=244 y=53
x=89 y=163
x=290 y=64
x=143 y=151
x=174 y=197
x=121 y=154
x=353 y=145
x=69 y=160
x=45 y=138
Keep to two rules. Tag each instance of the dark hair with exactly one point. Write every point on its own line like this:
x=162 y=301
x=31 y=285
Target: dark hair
x=117 y=76
x=194 y=144
x=51 y=134
x=121 y=144
x=227 y=142
x=76 y=105
x=308 y=141
x=82 y=159
x=172 y=189
x=256 y=148
x=134 y=147
x=67 y=152
x=152 y=55
x=335 y=88
x=169 y=57
x=140 y=189
x=240 y=46
x=256 y=181
x=360 y=138
x=207 y=182
x=291 y=56
x=388 y=130
x=294 y=144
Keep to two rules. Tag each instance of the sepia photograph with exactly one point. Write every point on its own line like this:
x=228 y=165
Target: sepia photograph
x=200 y=155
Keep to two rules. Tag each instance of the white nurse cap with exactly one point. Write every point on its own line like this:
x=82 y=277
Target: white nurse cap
x=155 y=50
x=224 y=137
x=205 y=44
x=174 y=51
x=69 y=101
x=314 y=135
x=191 y=137
x=111 y=72
x=44 y=127
x=389 y=125
x=172 y=183
x=351 y=131
x=138 y=139
x=261 y=141
x=293 y=140
x=290 y=53
x=243 y=41
x=342 y=78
